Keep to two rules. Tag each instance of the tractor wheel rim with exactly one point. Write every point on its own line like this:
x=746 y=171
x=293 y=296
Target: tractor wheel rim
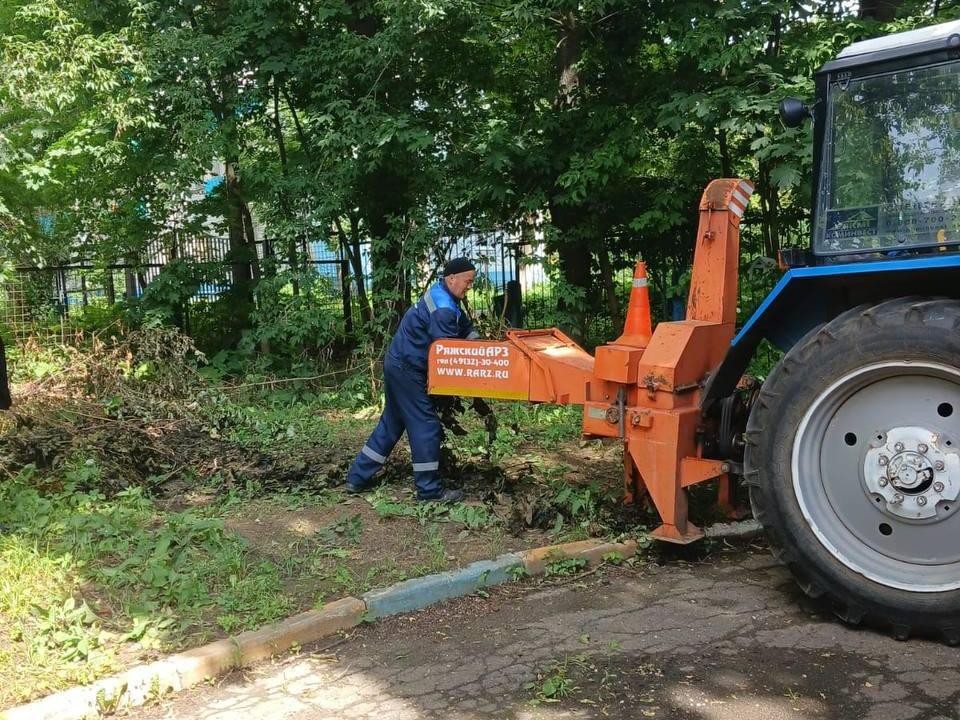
x=876 y=472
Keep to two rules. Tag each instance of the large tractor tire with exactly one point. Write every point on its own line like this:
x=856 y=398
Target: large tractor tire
x=853 y=465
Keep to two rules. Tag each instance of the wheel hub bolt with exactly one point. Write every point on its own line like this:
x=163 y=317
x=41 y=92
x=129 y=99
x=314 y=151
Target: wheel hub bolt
x=939 y=465
x=883 y=482
x=922 y=448
x=884 y=460
x=921 y=500
x=938 y=487
x=898 y=447
x=897 y=498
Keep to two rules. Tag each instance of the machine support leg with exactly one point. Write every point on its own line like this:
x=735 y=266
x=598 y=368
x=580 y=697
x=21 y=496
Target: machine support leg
x=659 y=466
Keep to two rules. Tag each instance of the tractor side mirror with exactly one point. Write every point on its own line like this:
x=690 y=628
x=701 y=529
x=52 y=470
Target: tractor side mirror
x=793 y=112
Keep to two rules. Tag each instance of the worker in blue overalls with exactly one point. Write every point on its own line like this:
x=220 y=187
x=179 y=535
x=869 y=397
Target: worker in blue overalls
x=437 y=315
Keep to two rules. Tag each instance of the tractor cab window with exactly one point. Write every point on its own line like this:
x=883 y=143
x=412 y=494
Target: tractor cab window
x=890 y=176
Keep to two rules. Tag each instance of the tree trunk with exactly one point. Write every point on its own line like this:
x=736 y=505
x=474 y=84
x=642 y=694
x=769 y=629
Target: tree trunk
x=609 y=286
x=351 y=246
x=575 y=264
x=568 y=54
x=390 y=284
x=769 y=212
x=130 y=277
x=575 y=256
x=238 y=256
x=108 y=287
x=769 y=192
x=292 y=259
x=251 y=239
x=726 y=165
x=384 y=197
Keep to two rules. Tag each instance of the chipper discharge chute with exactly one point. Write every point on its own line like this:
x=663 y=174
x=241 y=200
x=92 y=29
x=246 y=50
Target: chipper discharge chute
x=644 y=388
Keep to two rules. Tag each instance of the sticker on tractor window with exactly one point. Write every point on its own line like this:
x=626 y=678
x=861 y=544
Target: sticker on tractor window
x=852 y=222
x=917 y=219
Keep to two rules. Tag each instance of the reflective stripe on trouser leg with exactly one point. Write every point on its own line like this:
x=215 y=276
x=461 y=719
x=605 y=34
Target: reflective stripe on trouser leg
x=423 y=429
x=374 y=453
x=424 y=435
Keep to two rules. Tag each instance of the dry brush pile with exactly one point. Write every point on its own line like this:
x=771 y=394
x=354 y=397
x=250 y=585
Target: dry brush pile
x=136 y=405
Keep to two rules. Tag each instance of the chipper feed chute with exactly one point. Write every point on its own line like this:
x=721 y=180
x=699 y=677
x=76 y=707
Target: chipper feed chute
x=643 y=388
x=534 y=365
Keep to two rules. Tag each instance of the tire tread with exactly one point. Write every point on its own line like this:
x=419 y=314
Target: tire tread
x=938 y=314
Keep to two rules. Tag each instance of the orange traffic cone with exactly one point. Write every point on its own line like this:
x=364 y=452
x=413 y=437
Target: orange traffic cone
x=638 y=327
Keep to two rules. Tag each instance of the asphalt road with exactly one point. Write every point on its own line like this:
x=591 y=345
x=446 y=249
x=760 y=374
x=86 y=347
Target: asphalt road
x=726 y=638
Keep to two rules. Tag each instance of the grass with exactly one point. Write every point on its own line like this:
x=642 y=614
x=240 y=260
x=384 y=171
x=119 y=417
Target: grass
x=434 y=542
x=83 y=574
x=545 y=426
x=388 y=506
x=91 y=583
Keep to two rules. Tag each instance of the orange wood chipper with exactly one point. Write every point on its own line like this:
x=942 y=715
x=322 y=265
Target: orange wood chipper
x=851 y=447
x=643 y=388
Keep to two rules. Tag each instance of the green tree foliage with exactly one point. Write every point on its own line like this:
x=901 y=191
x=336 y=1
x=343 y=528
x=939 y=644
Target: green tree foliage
x=402 y=122
x=72 y=100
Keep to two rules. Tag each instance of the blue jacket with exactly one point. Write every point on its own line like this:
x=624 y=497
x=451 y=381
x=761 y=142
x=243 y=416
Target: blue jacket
x=436 y=315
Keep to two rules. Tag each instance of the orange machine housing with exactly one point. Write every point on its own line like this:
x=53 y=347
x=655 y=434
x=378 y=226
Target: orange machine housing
x=644 y=387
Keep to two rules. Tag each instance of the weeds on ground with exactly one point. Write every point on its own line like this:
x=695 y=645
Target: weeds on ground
x=517 y=573
x=594 y=682
x=564 y=566
x=554 y=683
x=277 y=420
x=437 y=549
x=348 y=528
x=349 y=581
x=82 y=574
x=472 y=516
x=540 y=425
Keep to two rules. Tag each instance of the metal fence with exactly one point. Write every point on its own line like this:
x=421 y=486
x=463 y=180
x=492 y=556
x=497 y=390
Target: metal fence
x=516 y=281
x=42 y=302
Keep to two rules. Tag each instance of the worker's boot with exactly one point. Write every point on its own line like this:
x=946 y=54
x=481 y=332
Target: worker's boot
x=449 y=496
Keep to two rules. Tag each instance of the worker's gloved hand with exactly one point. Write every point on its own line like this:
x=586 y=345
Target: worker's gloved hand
x=449 y=409
x=481 y=408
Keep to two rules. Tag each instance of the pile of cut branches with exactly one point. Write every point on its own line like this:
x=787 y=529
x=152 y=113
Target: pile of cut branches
x=133 y=405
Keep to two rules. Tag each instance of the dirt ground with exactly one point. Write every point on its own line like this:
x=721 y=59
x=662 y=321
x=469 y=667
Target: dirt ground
x=331 y=544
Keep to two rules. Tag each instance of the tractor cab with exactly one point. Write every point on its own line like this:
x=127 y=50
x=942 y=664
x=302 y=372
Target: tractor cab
x=886 y=148
x=885 y=211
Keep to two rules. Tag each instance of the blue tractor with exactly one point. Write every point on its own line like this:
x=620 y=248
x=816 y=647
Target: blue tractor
x=852 y=446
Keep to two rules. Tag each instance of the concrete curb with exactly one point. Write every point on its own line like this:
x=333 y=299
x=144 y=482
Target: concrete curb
x=187 y=669
x=536 y=561
x=420 y=592
x=183 y=670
